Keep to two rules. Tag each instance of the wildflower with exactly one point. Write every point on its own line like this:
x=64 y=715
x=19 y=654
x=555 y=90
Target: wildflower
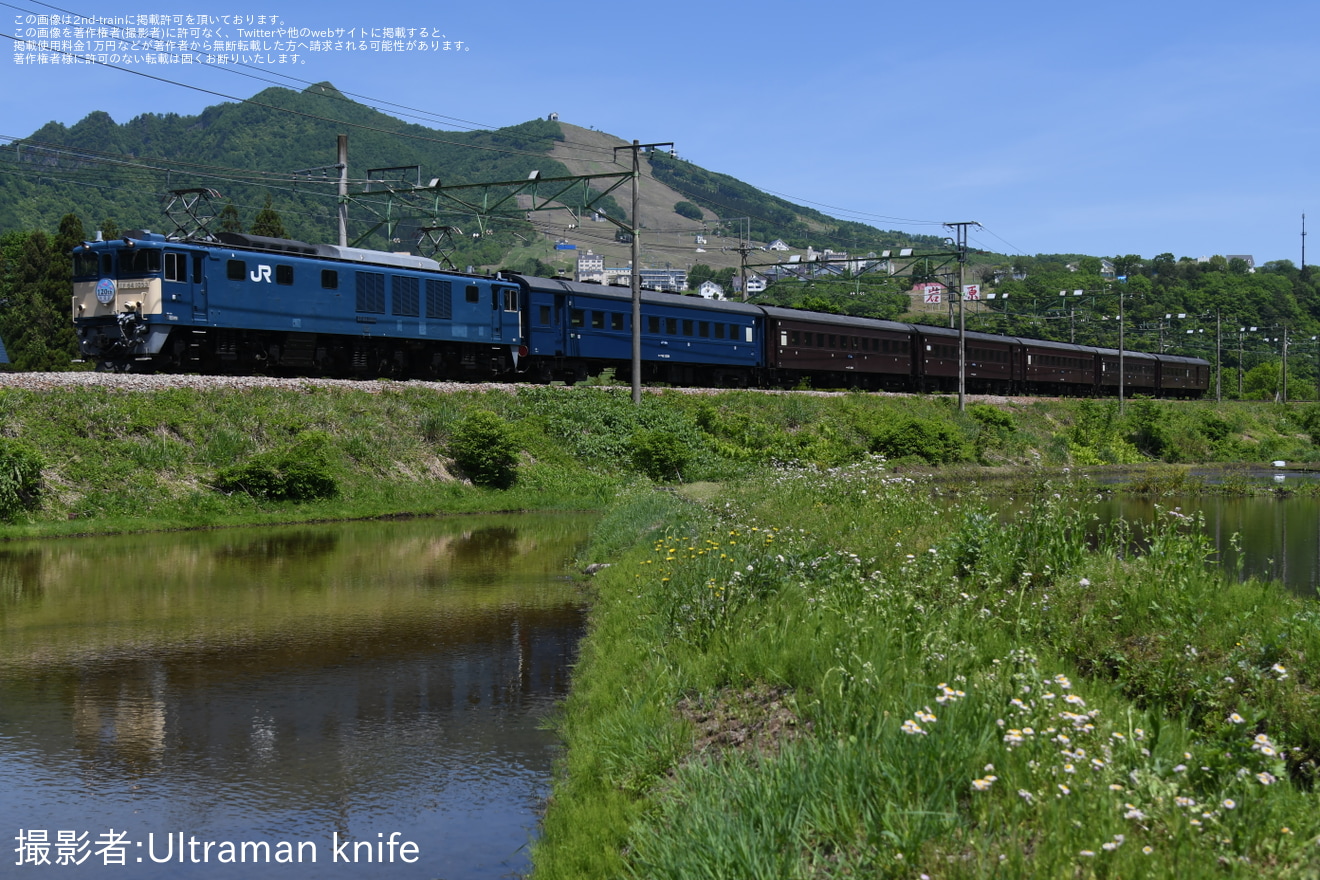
x=1280 y=671
x=1147 y=850
x=1181 y=768
x=983 y=783
x=1265 y=778
x=912 y=727
x=1087 y=853
x=1074 y=700
x=1134 y=813
x=1285 y=830
x=1229 y=804
x=1235 y=718
x=1084 y=582
x=1065 y=789
x=1184 y=801
x=1196 y=823
x=1109 y=846
x=1114 y=786
x=1025 y=795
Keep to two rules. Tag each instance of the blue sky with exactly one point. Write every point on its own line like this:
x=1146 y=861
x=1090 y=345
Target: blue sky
x=1125 y=128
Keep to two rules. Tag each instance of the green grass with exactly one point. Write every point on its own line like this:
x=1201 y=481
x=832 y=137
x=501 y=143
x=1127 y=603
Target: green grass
x=979 y=699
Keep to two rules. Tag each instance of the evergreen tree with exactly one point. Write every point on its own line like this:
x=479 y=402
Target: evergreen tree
x=268 y=222
x=34 y=320
x=229 y=219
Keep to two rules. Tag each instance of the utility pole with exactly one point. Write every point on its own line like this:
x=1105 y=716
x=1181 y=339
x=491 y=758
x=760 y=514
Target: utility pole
x=961 y=227
x=637 y=266
x=343 y=190
x=1285 y=363
x=1219 y=369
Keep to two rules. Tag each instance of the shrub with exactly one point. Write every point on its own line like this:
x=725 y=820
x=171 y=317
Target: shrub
x=20 y=478
x=992 y=417
x=688 y=210
x=485 y=451
x=660 y=455
x=930 y=440
x=301 y=471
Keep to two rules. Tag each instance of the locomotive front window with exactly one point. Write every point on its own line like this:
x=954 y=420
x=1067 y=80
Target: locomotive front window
x=236 y=270
x=85 y=265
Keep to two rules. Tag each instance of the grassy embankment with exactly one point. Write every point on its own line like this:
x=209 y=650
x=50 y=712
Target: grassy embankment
x=97 y=460
x=802 y=612
x=828 y=674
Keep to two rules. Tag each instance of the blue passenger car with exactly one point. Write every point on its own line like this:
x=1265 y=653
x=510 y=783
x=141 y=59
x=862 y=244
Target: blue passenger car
x=575 y=330
x=247 y=303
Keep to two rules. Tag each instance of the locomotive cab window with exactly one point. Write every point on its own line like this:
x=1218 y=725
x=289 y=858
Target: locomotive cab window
x=176 y=266
x=140 y=262
x=283 y=274
x=329 y=279
x=543 y=315
x=510 y=299
x=236 y=270
x=472 y=293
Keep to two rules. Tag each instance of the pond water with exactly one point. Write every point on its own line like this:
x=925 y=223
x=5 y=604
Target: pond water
x=369 y=695
x=1278 y=537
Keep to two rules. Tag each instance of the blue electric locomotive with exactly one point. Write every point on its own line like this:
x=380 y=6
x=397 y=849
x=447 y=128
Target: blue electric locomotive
x=249 y=303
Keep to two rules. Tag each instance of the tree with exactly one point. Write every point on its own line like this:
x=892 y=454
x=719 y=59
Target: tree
x=1127 y=265
x=698 y=275
x=688 y=210
x=268 y=222
x=34 y=290
x=229 y=219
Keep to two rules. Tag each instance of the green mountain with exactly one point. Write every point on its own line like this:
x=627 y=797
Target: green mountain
x=116 y=177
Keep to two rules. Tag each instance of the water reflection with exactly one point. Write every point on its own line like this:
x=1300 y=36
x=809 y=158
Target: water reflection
x=289 y=685
x=1278 y=537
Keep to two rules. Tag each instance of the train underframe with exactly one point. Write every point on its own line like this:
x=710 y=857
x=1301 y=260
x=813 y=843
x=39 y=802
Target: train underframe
x=220 y=351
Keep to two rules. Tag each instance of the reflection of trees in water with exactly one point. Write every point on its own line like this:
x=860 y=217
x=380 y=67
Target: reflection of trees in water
x=369 y=695
x=486 y=546
x=20 y=577
x=283 y=545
